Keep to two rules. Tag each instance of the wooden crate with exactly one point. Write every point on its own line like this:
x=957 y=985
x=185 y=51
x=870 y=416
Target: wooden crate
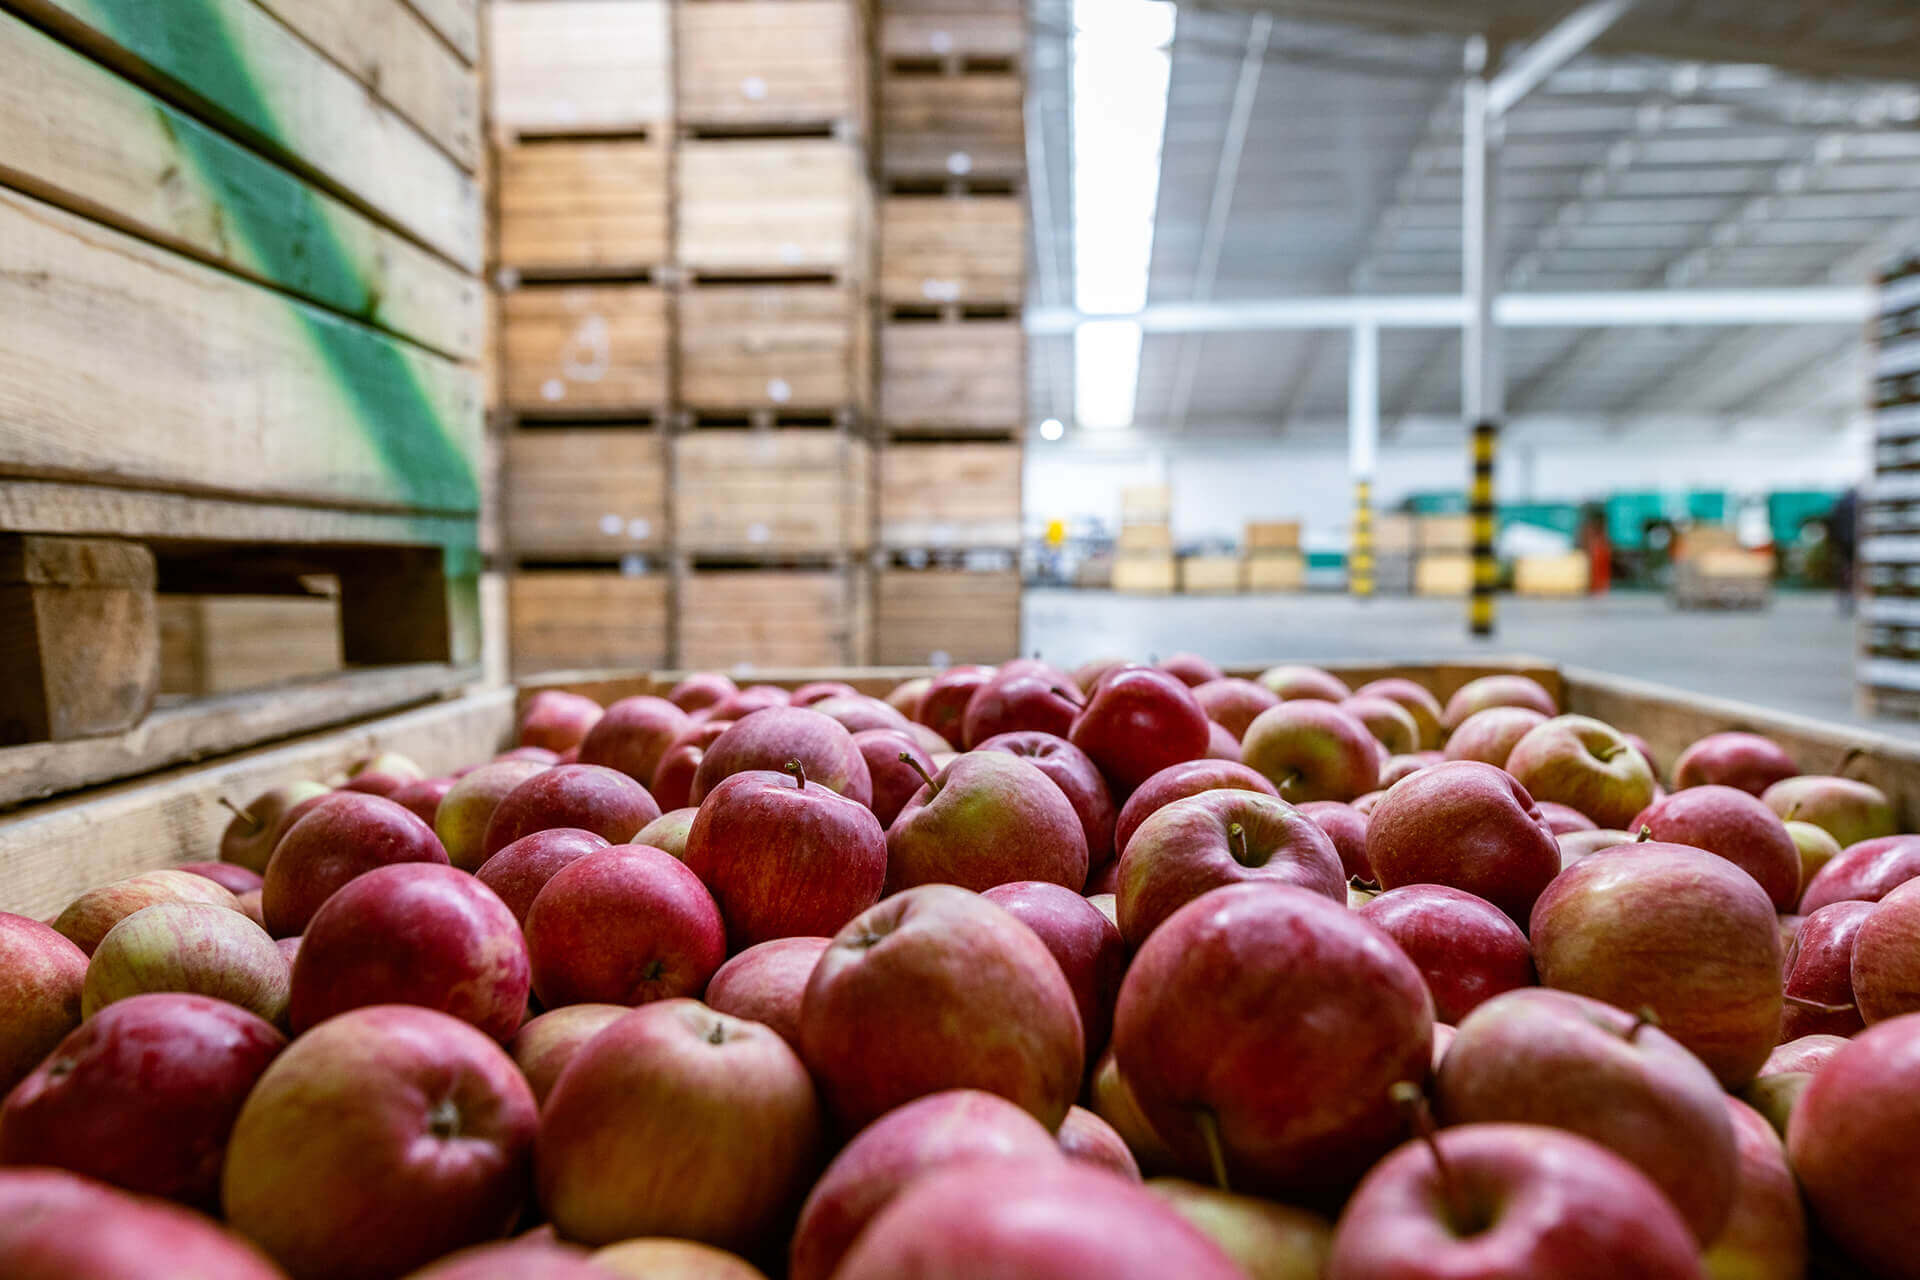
x=1564 y=575
x=584 y=493
x=1145 y=573
x=764 y=492
x=221 y=644
x=778 y=207
x=966 y=615
x=570 y=207
x=1210 y=575
x=1276 y=571
x=953 y=377
x=1442 y=534
x=965 y=248
x=1723 y=579
x=950 y=495
x=1146 y=504
x=951 y=94
x=572 y=67
x=771 y=617
x=976 y=32
x=1392 y=534
x=770 y=65
x=789 y=348
x=574 y=618
x=1146 y=537
x=1272 y=535
x=1443 y=574
x=584 y=349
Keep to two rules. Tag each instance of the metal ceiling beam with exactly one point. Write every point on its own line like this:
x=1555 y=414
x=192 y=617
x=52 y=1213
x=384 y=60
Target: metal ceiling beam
x=1567 y=41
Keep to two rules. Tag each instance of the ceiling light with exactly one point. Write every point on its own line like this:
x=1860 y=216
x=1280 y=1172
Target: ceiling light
x=1052 y=429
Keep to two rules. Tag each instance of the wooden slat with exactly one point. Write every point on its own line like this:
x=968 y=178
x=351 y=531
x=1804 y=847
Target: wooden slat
x=125 y=363
x=779 y=206
x=595 y=206
x=584 y=493
x=968 y=616
x=233 y=61
x=950 y=495
x=746 y=63
x=52 y=506
x=792 y=347
x=52 y=853
x=580 y=66
x=585 y=348
x=223 y=644
x=953 y=249
x=761 y=491
x=456 y=21
x=79 y=136
x=585 y=618
x=78 y=637
x=394 y=52
x=959 y=376
x=965 y=30
x=766 y=618
x=961 y=124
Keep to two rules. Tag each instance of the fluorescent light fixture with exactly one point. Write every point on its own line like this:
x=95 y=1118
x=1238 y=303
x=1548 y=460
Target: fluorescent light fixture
x=1121 y=67
x=1052 y=429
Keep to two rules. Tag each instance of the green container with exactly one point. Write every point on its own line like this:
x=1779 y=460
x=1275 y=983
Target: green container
x=1628 y=515
x=1561 y=517
x=1443 y=502
x=1706 y=507
x=1788 y=511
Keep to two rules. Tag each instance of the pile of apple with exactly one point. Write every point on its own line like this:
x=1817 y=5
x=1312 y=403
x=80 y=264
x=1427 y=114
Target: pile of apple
x=748 y=980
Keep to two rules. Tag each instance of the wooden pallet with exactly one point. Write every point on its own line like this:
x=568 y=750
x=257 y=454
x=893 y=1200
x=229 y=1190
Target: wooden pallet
x=782 y=347
x=584 y=492
x=945 y=373
x=1212 y=575
x=772 y=617
x=950 y=494
x=951 y=95
x=575 y=349
x=965 y=615
x=788 y=209
x=760 y=493
x=578 y=208
x=953 y=248
x=577 y=67
x=598 y=616
x=771 y=67
x=227 y=644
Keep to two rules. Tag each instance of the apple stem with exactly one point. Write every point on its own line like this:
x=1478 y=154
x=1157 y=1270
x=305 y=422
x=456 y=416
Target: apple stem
x=1209 y=1126
x=1791 y=810
x=907 y=758
x=1846 y=761
x=1642 y=1020
x=240 y=813
x=1413 y=1104
x=1058 y=692
x=1646 y=834
x=1363 y=884
x=1816 y=1006
x=1613 y=751
x=799 y=772
x=1237 y=841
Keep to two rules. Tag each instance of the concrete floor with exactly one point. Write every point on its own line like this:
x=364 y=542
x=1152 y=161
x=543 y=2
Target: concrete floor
x=1796 y=656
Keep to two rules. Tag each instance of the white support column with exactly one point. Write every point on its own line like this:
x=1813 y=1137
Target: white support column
x=1363 y=439
x=1483 y=390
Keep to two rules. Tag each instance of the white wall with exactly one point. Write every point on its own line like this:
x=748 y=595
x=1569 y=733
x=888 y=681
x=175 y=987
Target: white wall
x=1218 y=486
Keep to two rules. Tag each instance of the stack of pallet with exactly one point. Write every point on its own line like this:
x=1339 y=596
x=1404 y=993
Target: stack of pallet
x=1143 y=560
x=1443 y=564
x=1393 y=557
x=1889 y=520
x=1711 y=570
x=685 y=254
x=1274 y=561
x=951 y=351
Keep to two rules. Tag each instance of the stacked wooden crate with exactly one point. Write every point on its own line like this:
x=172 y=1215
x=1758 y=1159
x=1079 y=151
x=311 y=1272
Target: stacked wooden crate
x=1274 y=559
x=1443 y=563
x=952 y=354
x=1143 y=555
x=240 y=245
x=1393 y=557
x=1889 y=516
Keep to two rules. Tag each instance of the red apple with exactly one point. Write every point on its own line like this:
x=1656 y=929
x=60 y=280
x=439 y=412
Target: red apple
x=669 y=831
x=1816 y=849
x=1391 y=724
x=937 y=988
x=1087 y=946
x=678 y=1119
x=1467 y=825
x=624 y=925
x=588 y=796
x=785 y=857
x=1232 y=703
x=1347 y=828
x=765 y=983
x=1312 y=750
x=59 y=1226
x=1221 y=745
x=856 y=712
x=672 y=781
x=231 y=876
x=1418 y=702
x=988 y=818
x=769 y=739
x=1849 y=811
x=907 y=696
x=1851 y=1141
x=1744 y=761
x=414 y=934
x=1364 y=805
x=382 y=775
x=1489 y=692
x=1031 y=1220
x=1394 y=768
x=1735 y=825
x=1269 y=1241
x=633 y=735
x=953 y=1127
x=894 y=780
x=816 y=691
x=1490 y=736
x=1190 y=669
x=702 y=689
x=1820 y=972
x=142 y=1095
x=1465 y=947
x=521 y=870
x=461 y=821
x=745 y=702
x=1087 y=1138
x=519 y=1259
x=1113 y=1101
x=1886 y=957
x=1805 y=1054
x=1219 y=838
x=1553 y=1058
x=1177 y=782
x=1295 y=683
x=1102 y=883
x=1137 y=721
x=252 y=833
x=41 y=977
x=1864 y=872
x=1563 y=820
x=929 y=741
x=1088 y=674
x=1017 y=701
x=665 y=1258
x=539 y=755
x=543 y=1046
x=1260 y=1028
x=423 y=797
x=1078 y=778
x=1511 y=1202
x=943 y=708
x=1766 y=1235
x=344 y=836
x=88 y=917
x=1674 y=929
x=1589 y=766
x=193 y=947
x=1576 y=845
x=557 y=720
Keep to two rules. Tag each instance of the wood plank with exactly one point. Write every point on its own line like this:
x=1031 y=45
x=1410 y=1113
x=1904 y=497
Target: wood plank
x=776 y=206
x=456 y=21
x=953 y=249
x=584 y=493
x=766 y=618
x=950 y=495
x=746 y=63
x=78 y=637
x=52 y=853
x=393 y=51
x=234 y=388
x=75 y=134
x=225 y=644
x=233 y=62
x=960 y=124
x=584 y=618
x=967 y=30
x=581 y=66
x=960 y=376
x=594 y=206
x=758 y=492
x=793 y=347
x=585 y=348
x=967 y=616
x=52 y=506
